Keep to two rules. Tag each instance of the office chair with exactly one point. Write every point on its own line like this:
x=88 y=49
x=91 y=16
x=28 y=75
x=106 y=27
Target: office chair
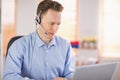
x=11 y=42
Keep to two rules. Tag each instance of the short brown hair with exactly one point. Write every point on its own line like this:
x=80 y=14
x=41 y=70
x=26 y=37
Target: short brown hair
x=45 y=5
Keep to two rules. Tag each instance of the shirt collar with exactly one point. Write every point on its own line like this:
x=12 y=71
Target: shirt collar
x=40 y=43
x=53 y=42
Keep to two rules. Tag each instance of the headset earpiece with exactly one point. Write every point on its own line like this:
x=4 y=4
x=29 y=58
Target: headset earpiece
x=38 y=18
x=38 y=21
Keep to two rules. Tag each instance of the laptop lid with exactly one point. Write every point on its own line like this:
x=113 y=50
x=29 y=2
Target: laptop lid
x=116 y=75
x=102 y=71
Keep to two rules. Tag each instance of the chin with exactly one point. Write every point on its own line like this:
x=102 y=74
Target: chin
x=51 y=37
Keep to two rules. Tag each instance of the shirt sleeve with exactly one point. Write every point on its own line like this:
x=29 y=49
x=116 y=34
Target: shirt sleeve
x=69 y=64
x=13 y=63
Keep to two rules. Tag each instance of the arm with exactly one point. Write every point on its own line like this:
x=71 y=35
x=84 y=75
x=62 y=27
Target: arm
x=69 y=64
x=13 y=64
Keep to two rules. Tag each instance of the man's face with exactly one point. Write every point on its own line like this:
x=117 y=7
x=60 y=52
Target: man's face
x=50 y=22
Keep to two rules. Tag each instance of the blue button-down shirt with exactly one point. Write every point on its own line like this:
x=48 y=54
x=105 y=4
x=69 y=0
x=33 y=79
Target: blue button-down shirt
x=29 y=58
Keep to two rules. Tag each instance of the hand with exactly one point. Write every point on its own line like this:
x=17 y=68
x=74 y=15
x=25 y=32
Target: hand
x=59 y=78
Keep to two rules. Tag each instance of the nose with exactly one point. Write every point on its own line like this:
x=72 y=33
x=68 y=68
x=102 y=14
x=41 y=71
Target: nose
x=55 y=27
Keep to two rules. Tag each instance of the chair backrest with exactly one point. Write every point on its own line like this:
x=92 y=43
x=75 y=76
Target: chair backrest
x=11 y=42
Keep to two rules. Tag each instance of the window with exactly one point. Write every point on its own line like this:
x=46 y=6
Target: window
x=110 y=28
x=8 y=22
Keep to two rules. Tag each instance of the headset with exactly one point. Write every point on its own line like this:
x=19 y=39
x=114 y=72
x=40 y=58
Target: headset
x=38 y=18
x=38 y=21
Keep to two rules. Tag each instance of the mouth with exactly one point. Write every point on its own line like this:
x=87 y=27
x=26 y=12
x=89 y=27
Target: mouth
x=51 y=34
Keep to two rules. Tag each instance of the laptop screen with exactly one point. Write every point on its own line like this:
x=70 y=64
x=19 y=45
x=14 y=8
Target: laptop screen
x=102 y=71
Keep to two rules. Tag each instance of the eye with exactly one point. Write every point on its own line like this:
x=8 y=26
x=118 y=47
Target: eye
x=51 y=23
x=58 y=24
x=54 y=24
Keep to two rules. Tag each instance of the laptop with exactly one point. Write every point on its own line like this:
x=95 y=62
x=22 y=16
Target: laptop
x=101 y=71
x=116 y=75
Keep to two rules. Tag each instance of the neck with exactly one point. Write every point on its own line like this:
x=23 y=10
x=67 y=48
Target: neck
x=43 y=37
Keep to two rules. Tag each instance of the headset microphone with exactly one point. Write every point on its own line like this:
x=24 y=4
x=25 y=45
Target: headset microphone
x=38 y=21
x=43 y=30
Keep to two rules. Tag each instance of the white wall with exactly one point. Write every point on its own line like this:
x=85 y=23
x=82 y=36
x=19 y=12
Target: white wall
x=26 y=12
x=88 y=23
x=88 y=18
x=0 y=17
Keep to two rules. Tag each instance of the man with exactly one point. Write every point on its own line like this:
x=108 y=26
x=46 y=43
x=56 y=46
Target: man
x=41 y=55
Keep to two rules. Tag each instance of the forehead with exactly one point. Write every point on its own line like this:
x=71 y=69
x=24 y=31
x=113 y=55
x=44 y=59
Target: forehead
x=52 y=15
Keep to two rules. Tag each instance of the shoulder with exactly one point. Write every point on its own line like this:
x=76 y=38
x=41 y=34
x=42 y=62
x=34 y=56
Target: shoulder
x=62 y=41
x=24 y=40
x=20 y=46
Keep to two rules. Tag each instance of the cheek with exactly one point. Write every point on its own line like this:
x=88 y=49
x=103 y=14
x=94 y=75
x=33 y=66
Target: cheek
x=57 y=28
x=46 y=27
x=51 y=28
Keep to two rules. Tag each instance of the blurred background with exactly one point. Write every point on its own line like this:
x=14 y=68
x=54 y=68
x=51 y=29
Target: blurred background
x=0 y=37
x=91 y=26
